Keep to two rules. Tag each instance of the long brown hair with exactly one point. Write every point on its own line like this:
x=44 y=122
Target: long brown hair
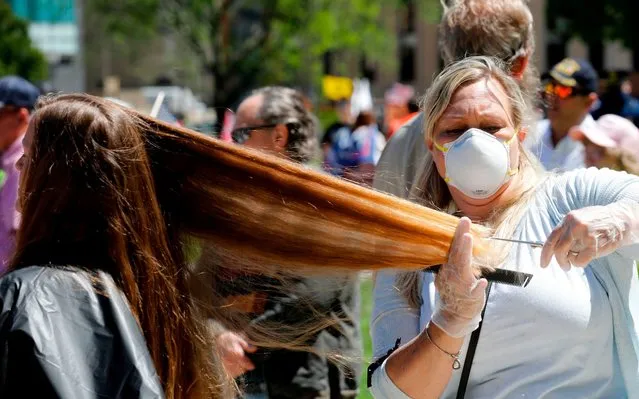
x=109 y=188
x=89 y=199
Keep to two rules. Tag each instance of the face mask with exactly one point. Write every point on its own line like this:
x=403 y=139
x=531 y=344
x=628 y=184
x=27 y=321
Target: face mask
x=477 y=163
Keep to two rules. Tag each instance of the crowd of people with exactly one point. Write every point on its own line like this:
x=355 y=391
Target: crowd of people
x=142 y=259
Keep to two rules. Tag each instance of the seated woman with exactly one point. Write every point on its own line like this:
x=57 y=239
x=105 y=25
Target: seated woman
x=611 y=142
x=93 y=305
x=95 y=302
x=573 y=331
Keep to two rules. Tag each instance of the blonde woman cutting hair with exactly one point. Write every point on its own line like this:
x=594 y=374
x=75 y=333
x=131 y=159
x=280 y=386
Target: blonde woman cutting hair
x=572 y=332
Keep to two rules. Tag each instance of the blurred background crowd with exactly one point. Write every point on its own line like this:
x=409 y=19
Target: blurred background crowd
x=342 y=76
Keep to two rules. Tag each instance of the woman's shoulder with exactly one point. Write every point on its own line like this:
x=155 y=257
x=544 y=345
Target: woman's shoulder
x=38 y=278
x=62 y=310
x=56 y=286
x=587 y=186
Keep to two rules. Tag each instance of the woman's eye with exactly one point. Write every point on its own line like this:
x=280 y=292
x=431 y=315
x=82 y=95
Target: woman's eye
x=454 y=132
x=491 y=129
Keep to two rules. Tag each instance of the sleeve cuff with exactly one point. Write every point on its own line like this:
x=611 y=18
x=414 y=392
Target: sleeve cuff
x=382 y=387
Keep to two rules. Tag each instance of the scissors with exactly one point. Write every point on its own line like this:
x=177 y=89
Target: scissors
x=533 y=244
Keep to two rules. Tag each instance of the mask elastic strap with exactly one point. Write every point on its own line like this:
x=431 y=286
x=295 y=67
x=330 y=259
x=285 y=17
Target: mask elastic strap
x=444 y=150
x=439 y=147
x=512 y=172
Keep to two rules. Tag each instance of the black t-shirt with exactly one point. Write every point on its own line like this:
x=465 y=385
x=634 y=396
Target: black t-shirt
x=288 y=374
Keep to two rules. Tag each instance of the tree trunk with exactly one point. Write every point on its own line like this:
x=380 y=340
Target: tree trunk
x=596 y=55
x=556 y=52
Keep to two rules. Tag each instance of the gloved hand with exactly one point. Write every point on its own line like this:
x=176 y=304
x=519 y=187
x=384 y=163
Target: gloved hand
x=461 y=296
x=591 y=233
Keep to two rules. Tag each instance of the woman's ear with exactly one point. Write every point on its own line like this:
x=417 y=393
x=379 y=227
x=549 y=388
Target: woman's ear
x=522 y=134
x=429 y=144
x=280 y=137
x=519 y=66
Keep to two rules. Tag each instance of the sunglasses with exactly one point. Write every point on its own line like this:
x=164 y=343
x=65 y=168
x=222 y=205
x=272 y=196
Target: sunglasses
x=560 y=91
x=241 y=134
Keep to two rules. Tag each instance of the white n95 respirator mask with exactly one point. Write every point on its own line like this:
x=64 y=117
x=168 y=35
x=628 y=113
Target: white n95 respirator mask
x=477 y=163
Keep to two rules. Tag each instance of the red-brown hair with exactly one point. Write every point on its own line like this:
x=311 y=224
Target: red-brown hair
x=89 y=199
x=107 y=188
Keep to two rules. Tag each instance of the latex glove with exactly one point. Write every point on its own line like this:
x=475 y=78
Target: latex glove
x=591 y=233
x=461 y=295
x=233 y=348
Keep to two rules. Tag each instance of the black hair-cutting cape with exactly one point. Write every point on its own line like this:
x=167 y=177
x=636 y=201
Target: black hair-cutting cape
x=67 y=333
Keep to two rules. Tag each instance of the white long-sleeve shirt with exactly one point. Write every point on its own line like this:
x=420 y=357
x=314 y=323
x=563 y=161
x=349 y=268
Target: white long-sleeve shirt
x=567 y=155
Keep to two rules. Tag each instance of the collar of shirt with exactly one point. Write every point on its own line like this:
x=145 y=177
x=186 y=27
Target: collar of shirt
x=9 y=158
x=567 y=142
x=568 y=154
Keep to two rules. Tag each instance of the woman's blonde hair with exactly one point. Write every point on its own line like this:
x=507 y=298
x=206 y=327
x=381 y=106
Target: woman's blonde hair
x=432 y=191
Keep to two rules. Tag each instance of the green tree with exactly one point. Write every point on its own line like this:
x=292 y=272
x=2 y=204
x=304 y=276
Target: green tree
x=245 y=43
x=623 y=26
x=586 y=19
x=17 y=54
x=595 y=21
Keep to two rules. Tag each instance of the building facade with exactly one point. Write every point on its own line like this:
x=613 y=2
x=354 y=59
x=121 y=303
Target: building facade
x=55 y=29
x=419 y=59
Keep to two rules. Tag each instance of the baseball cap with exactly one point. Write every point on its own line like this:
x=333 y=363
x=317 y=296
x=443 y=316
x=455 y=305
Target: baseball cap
x=18 y=92
x=577 y=73
x=610 y=131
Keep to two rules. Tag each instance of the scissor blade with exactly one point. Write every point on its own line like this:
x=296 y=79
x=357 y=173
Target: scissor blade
x=531 y=243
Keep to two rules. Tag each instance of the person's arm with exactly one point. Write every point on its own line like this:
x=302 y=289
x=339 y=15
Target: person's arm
x=393 y=319
x=422 y=368
x=604 y=219
x=9 y=214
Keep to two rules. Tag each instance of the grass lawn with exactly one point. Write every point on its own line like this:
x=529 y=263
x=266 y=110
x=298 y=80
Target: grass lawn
x=367 y=306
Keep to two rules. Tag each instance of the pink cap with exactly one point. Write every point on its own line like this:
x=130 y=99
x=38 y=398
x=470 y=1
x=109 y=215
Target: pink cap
x=610 y=131
x=399 y=94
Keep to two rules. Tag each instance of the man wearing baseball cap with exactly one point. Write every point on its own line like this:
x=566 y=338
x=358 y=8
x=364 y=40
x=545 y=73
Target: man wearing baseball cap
x=17 y=100
x=570 y=94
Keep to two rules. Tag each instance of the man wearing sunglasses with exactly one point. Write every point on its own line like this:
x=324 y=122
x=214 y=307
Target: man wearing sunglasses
x=276 y=120
x=569 y=95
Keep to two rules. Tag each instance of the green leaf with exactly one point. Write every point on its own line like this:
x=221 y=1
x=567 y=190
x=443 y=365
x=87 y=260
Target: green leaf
x=18 y=56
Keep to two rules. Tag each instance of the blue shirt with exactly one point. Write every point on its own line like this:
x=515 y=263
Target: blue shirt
x=351 y=149
x=567 y=334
